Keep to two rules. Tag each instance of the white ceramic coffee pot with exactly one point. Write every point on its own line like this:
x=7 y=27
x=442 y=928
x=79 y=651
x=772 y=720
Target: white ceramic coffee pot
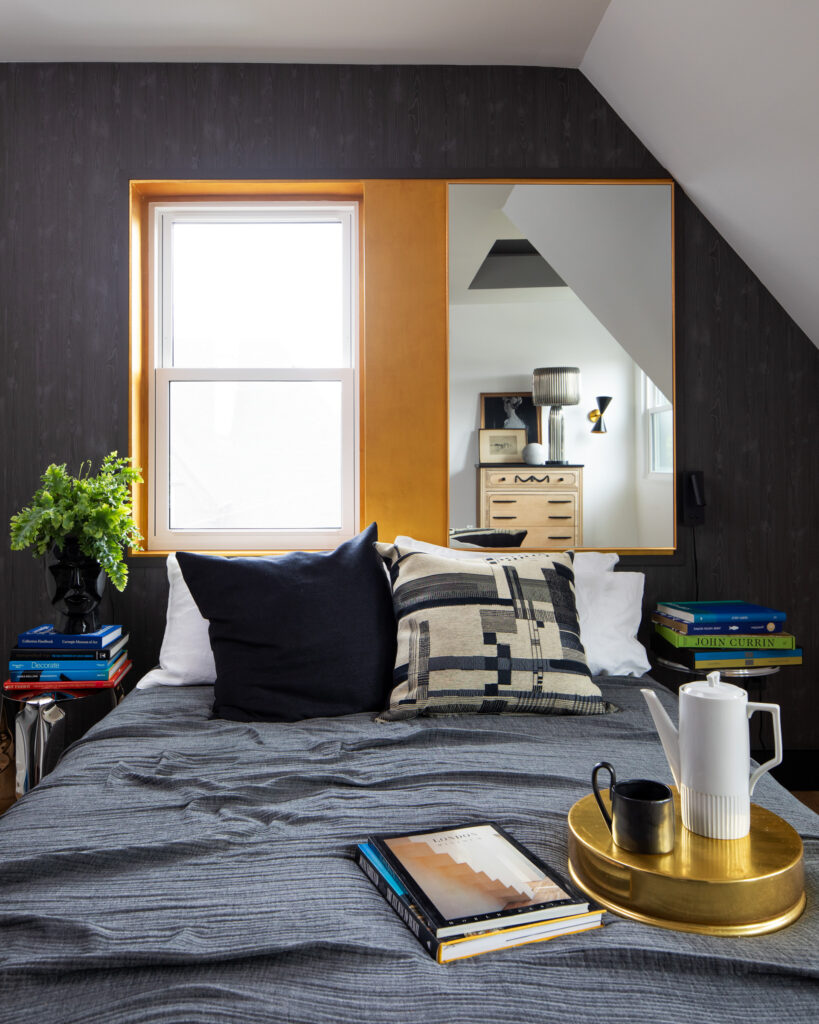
x=710 y=755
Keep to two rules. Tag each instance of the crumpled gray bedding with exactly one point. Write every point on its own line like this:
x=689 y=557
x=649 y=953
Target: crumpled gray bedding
x=179 y=868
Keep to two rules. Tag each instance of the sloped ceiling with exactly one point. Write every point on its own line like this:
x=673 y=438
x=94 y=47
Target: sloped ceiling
x=722 y=92
x=549 y=33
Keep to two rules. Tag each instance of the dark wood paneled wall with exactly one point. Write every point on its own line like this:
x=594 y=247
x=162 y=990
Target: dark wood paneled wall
x=71 y=136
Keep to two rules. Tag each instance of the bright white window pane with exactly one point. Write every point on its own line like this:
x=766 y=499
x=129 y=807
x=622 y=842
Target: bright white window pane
x=662 y=442
x=654 y=397
x=258 y=294
x=260 y=455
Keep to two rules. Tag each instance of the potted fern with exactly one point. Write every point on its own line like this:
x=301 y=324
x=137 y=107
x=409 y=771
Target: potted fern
x=82 y=524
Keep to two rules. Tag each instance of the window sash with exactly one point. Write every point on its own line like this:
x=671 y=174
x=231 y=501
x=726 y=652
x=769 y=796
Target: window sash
x=165 y=216
x=160 y=534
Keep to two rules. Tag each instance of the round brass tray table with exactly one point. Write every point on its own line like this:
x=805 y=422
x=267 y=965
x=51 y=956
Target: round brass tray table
x=714 y=886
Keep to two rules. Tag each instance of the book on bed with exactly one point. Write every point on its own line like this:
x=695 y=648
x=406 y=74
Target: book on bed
x=460 y=946
x=475 y=878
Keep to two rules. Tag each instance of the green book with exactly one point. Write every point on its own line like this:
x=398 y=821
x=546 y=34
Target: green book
x=707 y=658
x=728 y=641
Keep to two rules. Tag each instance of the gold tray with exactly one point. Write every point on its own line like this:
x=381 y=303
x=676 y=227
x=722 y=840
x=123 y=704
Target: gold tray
x=715 y=886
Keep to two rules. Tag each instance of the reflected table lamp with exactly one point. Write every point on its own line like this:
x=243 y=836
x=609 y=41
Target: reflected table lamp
x=556 y=386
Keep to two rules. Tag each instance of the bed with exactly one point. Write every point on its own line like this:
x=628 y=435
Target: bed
x=181 y=867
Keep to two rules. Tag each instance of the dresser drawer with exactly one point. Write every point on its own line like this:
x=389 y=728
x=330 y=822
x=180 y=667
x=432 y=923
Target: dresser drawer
x=555 y=508
x=551 y=539
x=529 y=479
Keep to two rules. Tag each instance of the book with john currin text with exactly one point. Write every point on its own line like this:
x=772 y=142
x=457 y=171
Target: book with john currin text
x=460 y=946
x=476 y=877
x=728 y=642
x=695 y=658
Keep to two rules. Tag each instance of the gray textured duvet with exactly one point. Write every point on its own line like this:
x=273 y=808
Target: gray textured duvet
x=176 y=868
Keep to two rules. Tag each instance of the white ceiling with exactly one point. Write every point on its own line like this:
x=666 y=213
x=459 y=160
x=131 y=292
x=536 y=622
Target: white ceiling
x=722 y=92
x=552 y=33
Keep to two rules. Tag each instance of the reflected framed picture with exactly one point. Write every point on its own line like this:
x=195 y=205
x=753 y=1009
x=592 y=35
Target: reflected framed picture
x=502 y=444
x=511 y=410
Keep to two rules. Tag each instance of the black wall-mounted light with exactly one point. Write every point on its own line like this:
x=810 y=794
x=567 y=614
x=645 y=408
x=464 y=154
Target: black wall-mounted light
x=596 y=415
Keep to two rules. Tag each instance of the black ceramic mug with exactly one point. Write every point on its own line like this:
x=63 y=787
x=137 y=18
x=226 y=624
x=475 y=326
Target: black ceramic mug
x=642 y=813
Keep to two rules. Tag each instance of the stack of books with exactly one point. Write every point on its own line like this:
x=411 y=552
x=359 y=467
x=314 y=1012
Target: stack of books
x=721 y=634
x=71 y=663
x=472 y=889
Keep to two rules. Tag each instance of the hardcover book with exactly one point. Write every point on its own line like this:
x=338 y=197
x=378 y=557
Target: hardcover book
x=65 y=654
x=46 y=636
x=714 y=628
x=692 y=658
x=460 y=946
x=43 y=685
x=58 y=672
x=720 y=611
x=475 y=878
x=729 y=641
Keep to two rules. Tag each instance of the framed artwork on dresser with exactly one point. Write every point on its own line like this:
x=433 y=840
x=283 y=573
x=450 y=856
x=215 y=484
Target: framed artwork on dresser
x=502 y=445
x=511 y=410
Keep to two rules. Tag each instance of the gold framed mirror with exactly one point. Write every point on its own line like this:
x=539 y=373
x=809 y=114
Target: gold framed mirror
x=564 y=274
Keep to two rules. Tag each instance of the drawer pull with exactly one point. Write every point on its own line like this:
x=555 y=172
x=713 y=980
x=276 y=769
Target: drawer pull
x=529 y=479
x=558 y=517
x=504 y=501
x=569 y=537
x=504 y=517
x=559 y=501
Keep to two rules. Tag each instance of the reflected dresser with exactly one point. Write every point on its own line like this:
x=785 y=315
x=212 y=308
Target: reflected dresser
x=546 y=501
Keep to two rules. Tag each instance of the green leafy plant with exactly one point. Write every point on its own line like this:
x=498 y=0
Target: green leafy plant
x=94 y=510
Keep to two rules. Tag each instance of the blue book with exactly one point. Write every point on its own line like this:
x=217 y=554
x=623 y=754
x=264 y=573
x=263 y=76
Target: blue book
x=720 y=611
x=714 y=628
x=63 y=672
x=46 y=636
x=73 y=654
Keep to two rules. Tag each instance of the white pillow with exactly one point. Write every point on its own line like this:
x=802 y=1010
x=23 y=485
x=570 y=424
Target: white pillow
x=185 y=658
x=584 y=561
x=610 y=607
x=595 y=561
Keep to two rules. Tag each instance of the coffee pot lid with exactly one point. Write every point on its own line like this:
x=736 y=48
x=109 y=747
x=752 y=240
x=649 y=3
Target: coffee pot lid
x=712 y=688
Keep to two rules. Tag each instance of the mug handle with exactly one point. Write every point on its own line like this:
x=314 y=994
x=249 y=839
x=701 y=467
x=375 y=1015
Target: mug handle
x=773 y=709
x=612 y=784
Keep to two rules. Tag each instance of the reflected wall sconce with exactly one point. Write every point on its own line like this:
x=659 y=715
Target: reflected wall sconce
x=596 y=415
x=556 y=386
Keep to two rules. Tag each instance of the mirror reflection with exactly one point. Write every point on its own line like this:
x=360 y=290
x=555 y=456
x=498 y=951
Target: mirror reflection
x=561 y=365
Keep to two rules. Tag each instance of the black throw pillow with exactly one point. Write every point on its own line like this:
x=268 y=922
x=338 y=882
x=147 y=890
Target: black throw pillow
x=301 y=635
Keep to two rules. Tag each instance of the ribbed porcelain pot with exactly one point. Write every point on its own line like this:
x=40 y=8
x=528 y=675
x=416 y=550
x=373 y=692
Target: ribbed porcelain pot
x=716 y=781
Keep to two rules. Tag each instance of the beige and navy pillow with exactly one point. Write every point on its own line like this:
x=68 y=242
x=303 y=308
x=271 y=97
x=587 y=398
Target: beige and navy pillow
x=489 y=636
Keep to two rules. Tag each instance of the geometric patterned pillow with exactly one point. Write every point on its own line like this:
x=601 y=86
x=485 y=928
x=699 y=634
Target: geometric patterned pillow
x=496 y=635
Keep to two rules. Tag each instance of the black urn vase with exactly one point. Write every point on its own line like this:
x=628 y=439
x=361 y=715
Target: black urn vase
x=75 y=585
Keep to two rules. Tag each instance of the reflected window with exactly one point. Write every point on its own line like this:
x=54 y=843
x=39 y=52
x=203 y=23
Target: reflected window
x=660 y=429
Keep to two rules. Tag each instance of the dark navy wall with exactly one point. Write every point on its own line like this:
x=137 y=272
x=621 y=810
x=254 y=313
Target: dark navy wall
x=71 y=136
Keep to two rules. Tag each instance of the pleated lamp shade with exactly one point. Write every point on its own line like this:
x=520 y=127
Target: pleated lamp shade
x=556 y=386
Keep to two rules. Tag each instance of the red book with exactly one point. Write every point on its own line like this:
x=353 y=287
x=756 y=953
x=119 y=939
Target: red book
x=36 y=686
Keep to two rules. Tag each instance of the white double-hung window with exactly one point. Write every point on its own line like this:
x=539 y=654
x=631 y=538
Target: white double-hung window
x=254 y=393
x=659 y=429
